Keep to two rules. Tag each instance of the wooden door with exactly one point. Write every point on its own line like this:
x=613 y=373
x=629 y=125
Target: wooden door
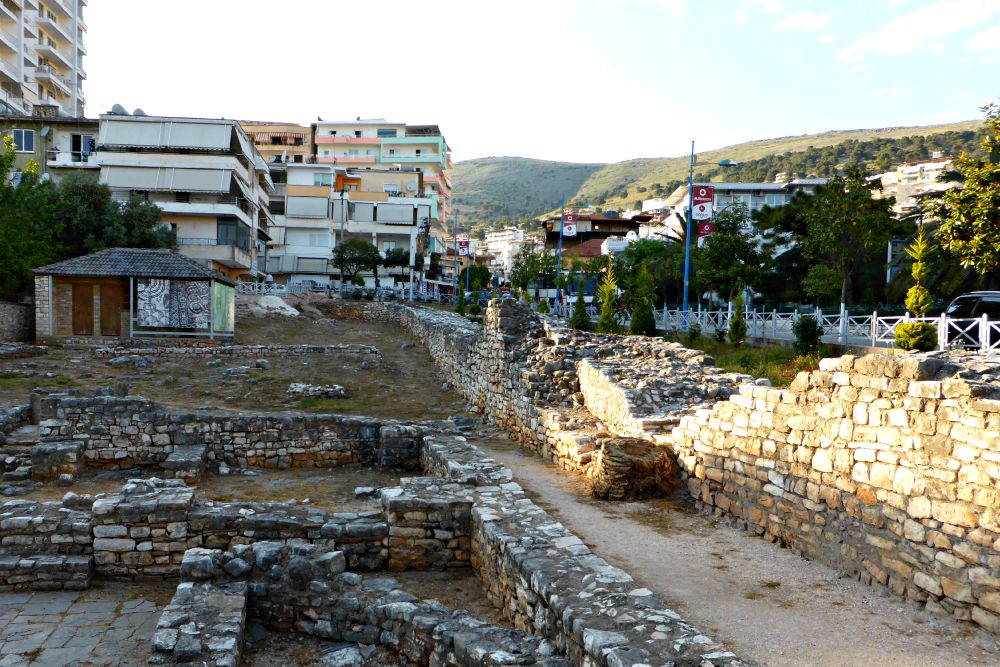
x=111 y=308
x=83 y=310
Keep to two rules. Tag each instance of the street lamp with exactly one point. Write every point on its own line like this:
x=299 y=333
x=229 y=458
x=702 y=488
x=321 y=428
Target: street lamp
x=687 y=235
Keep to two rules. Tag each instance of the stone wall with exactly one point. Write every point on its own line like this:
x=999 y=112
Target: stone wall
x=125 y=432
x=887 y=467
x=17 y=322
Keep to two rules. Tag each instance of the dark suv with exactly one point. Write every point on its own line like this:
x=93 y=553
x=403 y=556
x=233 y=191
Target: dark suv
x=973 y=306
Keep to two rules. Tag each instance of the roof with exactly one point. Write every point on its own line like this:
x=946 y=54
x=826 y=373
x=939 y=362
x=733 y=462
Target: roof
x=590 y=248
x=133 y=263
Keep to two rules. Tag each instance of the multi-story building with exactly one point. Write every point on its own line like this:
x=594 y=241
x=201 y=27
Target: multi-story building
x=911 y=181
x=280 y=142
x=57 y=144
x=379 y=142
x=212 y=185
x=502 y=246
x=41 y=55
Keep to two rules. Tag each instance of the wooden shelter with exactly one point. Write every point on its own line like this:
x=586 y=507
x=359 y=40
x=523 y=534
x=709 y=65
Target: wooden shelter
x=124 y=293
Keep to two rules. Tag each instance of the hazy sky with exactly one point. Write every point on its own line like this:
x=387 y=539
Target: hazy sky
x=578 y=80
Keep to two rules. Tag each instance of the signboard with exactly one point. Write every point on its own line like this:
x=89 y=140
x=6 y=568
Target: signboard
x=706 y=229
x=463 y=248
x=569 y=225
x=701 y=202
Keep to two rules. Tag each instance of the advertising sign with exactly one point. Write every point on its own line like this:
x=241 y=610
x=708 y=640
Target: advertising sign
x=463 y=248
x=701 y=201
x=569 y=225
x=706 y=229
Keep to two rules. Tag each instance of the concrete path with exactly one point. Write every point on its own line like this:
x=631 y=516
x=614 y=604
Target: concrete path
x=762 y=601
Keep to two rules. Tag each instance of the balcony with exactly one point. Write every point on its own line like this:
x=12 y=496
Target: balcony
x=221 y=251
x=8 y=12
x=53 y=28
x=366 y=141
x=60 y=6
x=52 y=52
x=9 y=41
x=347 y=160
x=11 y=99
x=79 y=159
x=47 y=74
x=426 y=158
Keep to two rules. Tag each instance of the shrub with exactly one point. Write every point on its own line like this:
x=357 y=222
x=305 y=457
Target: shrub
x=580 y=319
x=807 y=335
x=643 y=321
x=474 y=309
x=720 y=335
x=359 y=281
x=672 y=334
x=920 y=336
x=608 y=293
x=918 y=300
x=738 y=323
x=692 y=335
x=460 y=302
x=543 y=306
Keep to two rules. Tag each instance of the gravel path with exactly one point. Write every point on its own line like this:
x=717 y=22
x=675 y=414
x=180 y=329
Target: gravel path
x=765 y=603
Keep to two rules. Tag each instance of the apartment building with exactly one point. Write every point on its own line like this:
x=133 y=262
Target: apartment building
x=379 y=142
x=41 y=55
x=911 y=181
x=502 y=246
x=212 y=185
x=280 y=142
x=57 y=144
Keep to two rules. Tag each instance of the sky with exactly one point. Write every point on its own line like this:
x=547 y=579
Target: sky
x=572 y=80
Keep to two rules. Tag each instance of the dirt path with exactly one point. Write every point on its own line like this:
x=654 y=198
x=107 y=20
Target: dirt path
x=765 y=603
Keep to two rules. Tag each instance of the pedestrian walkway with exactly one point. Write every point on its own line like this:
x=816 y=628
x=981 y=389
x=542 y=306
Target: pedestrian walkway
x=109 y=624
x=762 y=601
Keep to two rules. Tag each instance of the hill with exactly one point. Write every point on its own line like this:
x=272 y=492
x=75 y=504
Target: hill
x=490 y=190
x=496 y=188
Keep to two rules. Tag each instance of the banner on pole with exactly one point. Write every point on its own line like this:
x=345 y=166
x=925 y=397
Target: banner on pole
x=701 y=201
x=463 y=248
x=705 y=229
x=569 y=225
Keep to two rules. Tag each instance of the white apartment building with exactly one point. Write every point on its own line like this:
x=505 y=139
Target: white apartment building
x=212 y=185
x=303 y=237
x=911 y=180
x=41 y=55
x=502 y=246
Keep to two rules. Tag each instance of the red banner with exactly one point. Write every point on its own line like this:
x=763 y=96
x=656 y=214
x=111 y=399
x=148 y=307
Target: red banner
x=701 y=202
x=705 y=229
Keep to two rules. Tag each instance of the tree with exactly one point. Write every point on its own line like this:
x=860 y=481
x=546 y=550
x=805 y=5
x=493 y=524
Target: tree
x=354 y=256
x=844 y=223
x=738 y=322
x=396 y=258
x=479 y=277
x=643 y=321
x=918 y=298
x=525 y=268
x=26 y=228
x=580 y=319
x=89 y=219
x=970 y=214
x=731 y=256
x=607 y=293
x=664 y=260
x=460 y=302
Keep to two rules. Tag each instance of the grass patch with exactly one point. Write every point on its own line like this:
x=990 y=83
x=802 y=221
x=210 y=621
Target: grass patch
x=771 y=584
x=14 y=380
x=780 y=365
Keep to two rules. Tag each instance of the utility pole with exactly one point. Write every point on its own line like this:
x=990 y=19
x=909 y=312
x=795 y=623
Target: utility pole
x=687 y=241
x=562 y=223
x=454 y=277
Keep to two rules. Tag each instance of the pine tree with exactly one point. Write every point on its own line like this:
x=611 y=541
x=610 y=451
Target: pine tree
x=643 y=320
x=580 y=319
x=608 y=293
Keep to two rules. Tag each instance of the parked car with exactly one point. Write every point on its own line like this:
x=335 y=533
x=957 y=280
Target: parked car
x=969 y=307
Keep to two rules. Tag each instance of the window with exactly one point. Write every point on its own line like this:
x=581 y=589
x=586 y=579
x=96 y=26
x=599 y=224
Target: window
x=82 y=147
x=322 y=179
x=387 y=133
x=391 y=188
x=388 y=245
x=353 y=152
x=24 y=140
x=357 y=133
x=333 y=133
x=326 y=153
x=392 y=151
x=417 y=152
x=296 y=158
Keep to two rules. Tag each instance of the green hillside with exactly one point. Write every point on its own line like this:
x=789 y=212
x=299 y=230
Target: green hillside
x=488 y=190
x=498 y=190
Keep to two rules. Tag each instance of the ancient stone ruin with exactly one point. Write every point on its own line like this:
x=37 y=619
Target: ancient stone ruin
x=884 y=467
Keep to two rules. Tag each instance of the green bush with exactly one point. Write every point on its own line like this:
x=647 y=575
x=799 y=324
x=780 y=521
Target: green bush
x=918 y=300
x=359 y=281
x=807 y=335
x=474 y=309
x=460 y=302
x=738 y=323
x=692 y=335
x=543 y=306
x=580 y=319
x=720 y=335
x=920 y=336
x=643 y=320
x=607 y=293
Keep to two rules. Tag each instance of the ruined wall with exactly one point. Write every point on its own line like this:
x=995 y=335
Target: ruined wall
x=883 y=466
x=125 y=432
x=17 y=322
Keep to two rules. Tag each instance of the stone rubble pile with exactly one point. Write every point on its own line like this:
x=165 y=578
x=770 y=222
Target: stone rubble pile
x=300 y=389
